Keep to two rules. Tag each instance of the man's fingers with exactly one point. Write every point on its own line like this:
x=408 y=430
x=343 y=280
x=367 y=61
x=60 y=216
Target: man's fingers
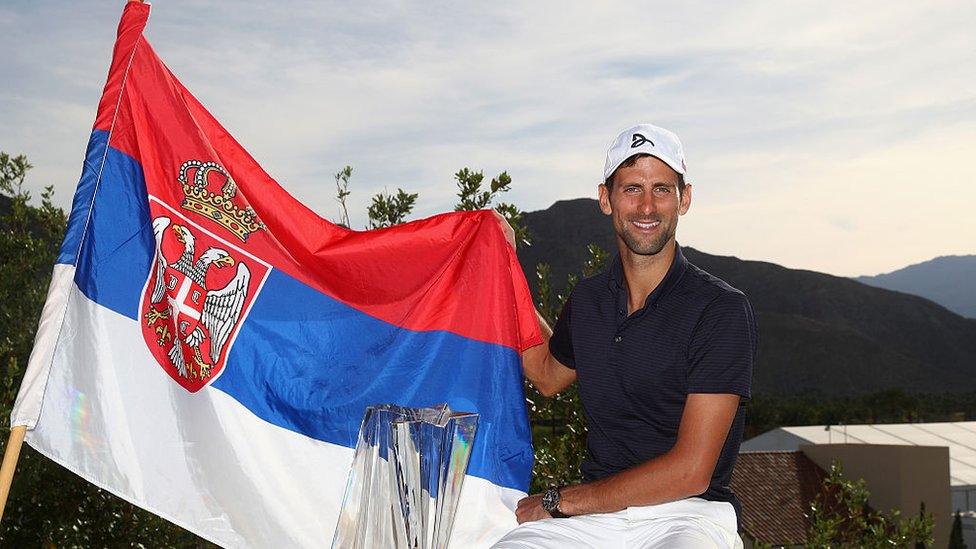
x=530 y=509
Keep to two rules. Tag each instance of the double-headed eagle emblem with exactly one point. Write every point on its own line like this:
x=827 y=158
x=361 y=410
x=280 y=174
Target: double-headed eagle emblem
x=192 y=323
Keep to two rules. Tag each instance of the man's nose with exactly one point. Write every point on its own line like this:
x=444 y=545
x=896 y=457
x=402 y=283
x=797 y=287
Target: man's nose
x=647 y=205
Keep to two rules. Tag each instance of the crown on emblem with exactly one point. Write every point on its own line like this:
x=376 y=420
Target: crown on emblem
x=218 y=207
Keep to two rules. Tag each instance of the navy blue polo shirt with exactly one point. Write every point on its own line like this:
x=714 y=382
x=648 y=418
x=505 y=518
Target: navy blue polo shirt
x=694 y=334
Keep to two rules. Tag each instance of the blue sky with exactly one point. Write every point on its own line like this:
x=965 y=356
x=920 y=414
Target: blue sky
x=837 y=138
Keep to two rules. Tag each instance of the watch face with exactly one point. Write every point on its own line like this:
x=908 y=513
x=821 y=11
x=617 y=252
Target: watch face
x=550 y=500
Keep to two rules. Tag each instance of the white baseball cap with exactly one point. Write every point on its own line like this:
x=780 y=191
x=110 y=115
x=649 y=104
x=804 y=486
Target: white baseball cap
x=645 y=139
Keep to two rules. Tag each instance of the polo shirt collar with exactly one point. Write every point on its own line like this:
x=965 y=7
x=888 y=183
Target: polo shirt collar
x=678 y=266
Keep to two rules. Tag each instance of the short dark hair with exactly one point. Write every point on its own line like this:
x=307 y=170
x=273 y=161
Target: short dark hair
x=633 y=160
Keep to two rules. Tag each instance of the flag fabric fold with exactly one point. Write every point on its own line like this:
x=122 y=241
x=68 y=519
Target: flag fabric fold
x=209 y=344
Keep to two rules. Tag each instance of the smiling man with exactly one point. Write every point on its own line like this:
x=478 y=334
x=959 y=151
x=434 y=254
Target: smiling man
x=663 y=353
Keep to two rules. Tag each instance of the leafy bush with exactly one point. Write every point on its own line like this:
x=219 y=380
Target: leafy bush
x=840 y=517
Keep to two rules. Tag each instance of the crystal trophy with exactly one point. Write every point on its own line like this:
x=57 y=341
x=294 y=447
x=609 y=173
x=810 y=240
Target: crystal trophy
x=405 y=481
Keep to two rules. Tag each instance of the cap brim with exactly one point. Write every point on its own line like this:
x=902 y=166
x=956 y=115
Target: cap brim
x=671 y=163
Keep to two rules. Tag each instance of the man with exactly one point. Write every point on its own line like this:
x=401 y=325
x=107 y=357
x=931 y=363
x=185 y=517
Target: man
x=663 y=353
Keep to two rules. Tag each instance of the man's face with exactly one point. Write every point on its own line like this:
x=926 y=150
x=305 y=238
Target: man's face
x=645 y=204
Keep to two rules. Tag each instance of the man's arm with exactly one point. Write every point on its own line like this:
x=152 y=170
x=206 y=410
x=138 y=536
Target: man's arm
x=683 y=471
x=546 y=373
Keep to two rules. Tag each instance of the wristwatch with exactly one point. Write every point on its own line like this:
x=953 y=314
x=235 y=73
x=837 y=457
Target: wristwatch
x=550 y=502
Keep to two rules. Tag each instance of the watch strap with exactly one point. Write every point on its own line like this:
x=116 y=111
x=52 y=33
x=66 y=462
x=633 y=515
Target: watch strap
x=553 y=510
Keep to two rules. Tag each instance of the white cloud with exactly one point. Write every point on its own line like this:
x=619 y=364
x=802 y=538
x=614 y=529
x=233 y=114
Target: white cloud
x=774 y=101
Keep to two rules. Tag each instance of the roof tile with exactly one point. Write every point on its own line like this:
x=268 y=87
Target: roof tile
x=775 y=489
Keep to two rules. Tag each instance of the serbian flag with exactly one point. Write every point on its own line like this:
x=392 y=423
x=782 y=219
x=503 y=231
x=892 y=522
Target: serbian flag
x=209 y=344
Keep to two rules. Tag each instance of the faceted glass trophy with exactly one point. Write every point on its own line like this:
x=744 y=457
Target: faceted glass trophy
x=405 y=482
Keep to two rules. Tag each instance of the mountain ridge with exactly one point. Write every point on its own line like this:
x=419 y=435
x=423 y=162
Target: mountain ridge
x=818 y=332
x=949 y=280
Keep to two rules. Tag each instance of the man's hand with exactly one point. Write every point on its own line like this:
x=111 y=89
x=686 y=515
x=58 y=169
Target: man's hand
x=530 y=509
x=506 y=228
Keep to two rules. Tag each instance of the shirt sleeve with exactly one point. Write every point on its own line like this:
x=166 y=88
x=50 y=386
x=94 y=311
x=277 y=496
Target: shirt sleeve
x=723 y=347
x=561 y=342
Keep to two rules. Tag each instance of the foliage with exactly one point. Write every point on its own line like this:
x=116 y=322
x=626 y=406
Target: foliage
x=955 y=535
x=597 y=260
x=840 y=517
x=385 y=210
x=471 y=196
x=48 y=505
x=29 y=239
x=390 y=209
x=765 y=412
x=342 y=192
x=558 y=423
x=13 y=170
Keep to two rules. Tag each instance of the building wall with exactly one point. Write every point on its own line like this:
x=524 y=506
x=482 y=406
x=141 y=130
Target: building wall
x=898 y=477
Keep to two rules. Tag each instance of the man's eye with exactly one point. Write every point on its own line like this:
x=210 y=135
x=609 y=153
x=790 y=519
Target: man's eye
x=663 y=190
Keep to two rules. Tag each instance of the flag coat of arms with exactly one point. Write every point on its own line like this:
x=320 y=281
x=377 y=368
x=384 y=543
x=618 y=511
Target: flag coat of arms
x=209 y=344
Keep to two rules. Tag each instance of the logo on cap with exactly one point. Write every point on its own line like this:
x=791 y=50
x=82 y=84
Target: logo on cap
x=639 y=140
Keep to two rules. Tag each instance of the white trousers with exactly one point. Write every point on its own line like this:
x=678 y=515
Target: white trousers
x=687 y=523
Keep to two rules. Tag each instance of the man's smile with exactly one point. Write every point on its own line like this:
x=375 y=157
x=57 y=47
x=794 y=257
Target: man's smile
x=646 y=225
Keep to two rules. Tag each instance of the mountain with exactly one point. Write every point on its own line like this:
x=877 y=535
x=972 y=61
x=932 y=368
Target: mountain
x=560 y=235
x=817 y=332
x=949 y=281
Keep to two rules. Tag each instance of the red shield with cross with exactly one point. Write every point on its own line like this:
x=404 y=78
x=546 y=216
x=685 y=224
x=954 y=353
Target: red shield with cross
x=187 y=304
x=199 y=290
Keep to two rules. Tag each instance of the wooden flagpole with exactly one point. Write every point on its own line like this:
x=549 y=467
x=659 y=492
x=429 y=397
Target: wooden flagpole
x=10 y=456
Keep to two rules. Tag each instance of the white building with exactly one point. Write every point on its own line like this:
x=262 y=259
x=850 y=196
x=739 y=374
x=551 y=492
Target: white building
x=959 y=437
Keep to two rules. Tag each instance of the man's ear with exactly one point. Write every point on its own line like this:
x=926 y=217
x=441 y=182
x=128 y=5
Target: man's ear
x=605 y=199
x=685 y=200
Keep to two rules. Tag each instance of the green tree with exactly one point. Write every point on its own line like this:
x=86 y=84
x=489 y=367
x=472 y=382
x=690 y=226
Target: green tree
x=840 y=517
x=473 y=196
x=955 y=535
x=558 y=423
x=390 y=209
x=48 y=505
x=765 y=412
x=921 y=544
x=385 y=210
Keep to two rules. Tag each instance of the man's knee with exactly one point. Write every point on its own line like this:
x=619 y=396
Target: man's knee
x=582 y=531
x=533 y=535
x=687 y=533
x=679 y=539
